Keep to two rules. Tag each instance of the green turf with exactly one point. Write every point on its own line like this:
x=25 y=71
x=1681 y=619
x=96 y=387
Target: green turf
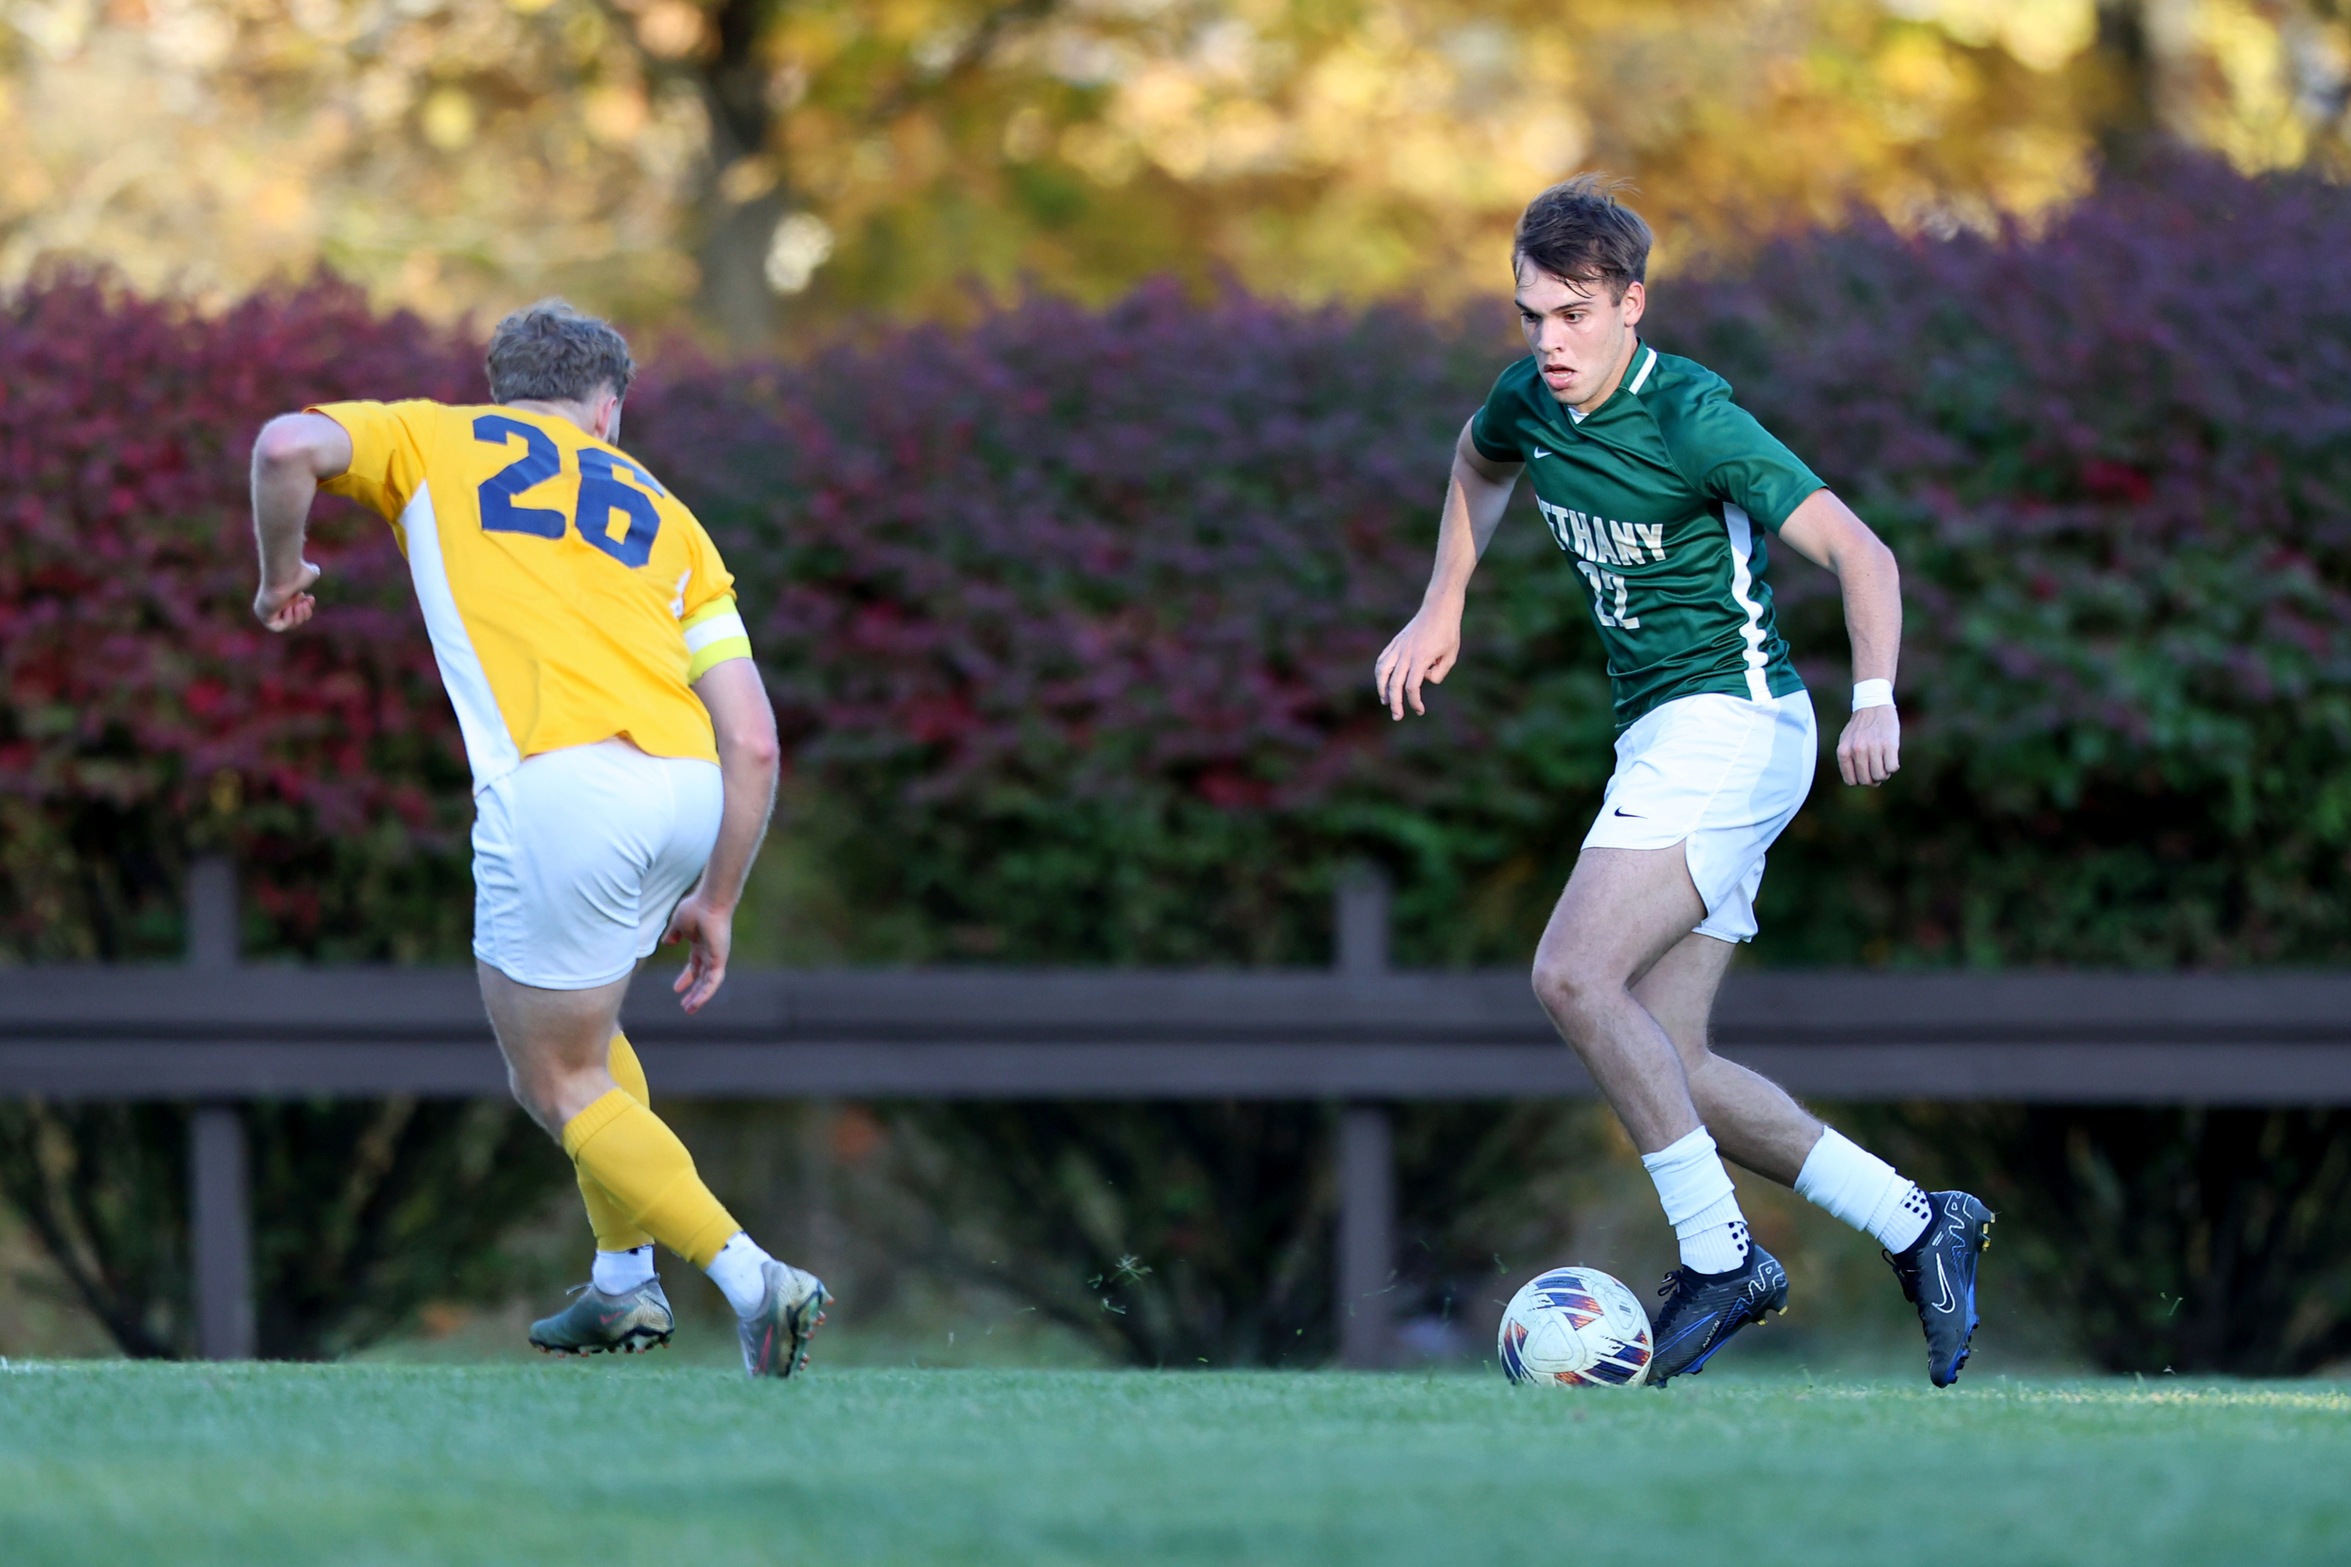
x=107 y=1462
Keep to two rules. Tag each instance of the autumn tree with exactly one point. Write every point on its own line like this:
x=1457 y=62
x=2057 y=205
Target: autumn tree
x=763 y=164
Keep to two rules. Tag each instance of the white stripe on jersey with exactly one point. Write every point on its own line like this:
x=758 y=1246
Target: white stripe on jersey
x=1742 y=532
x=489 y=745
x=1642 y=379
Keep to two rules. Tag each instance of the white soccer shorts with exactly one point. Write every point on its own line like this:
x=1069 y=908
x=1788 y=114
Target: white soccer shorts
x=579 y=857
x=1722 y=775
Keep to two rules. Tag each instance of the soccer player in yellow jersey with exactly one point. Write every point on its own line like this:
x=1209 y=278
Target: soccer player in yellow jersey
x=624 y=764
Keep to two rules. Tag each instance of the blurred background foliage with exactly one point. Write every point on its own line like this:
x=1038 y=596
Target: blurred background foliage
x=758 y=166
x=1070 y=381
x=367 y=1213
x=1067 y=615
x=1071 y=615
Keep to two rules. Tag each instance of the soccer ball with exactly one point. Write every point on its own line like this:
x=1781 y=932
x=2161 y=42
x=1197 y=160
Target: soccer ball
x=1575 y=1327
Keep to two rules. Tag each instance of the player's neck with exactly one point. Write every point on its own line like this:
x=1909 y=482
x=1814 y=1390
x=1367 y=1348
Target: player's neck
x=577 y=413
x=1624 y=362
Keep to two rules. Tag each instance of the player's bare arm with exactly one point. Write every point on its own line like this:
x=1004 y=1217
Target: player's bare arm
x=1825 y=531
x=1428 y=646
x=749 y=756
x=293 y=453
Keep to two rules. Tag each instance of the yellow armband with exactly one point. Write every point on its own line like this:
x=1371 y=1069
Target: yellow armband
x=714 y=634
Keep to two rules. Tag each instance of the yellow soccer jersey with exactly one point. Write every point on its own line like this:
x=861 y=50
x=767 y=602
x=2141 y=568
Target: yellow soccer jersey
x=570 y=598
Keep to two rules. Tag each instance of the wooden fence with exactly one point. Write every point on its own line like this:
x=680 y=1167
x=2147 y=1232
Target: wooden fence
x=215 y=1034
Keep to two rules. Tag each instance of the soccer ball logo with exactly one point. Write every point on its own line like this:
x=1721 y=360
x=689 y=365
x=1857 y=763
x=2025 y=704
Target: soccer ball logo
x=1575 y=1327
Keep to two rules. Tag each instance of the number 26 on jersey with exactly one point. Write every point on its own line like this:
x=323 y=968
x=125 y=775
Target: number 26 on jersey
x=605 y=499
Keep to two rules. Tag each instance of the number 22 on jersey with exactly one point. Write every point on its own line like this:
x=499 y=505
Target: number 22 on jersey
x=604 y=497
x=1606 y=584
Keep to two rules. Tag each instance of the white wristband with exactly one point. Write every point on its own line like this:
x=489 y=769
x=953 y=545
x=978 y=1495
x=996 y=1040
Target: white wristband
x=1872 y=693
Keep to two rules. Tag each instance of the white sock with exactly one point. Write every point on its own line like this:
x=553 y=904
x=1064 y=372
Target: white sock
x=1700 y=1203
x=736 y=1272
x=1863 y=1190
x=618 y=1272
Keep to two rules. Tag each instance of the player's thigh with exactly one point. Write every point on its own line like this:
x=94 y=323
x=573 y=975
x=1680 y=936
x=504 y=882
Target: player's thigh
x=1679 y=991
x=1622 y=909
x=551 y=1033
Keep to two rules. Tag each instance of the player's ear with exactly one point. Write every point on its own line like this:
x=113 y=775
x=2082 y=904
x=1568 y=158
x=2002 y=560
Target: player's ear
x=1636 y=303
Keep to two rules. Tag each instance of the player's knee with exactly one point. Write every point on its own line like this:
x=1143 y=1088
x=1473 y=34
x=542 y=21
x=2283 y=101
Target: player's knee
x=1572 y=989
x=1699 y=1062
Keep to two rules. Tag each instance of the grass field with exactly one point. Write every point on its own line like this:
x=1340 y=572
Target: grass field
x=110 y=1462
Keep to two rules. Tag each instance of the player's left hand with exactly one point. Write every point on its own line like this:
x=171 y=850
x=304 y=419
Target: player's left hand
x=1870 y=750
x=712 y=934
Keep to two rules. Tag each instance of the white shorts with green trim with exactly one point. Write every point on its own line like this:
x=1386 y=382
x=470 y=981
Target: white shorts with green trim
x=579 y=857
x=1722 y=776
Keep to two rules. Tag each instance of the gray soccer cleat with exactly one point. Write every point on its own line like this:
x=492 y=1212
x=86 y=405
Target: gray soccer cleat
x=775 y=1337
x=599 y=1324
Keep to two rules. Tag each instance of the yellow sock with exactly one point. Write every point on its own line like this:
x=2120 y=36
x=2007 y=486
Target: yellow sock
x=615 y=1230
x=641 y=1164
x=628 y=1071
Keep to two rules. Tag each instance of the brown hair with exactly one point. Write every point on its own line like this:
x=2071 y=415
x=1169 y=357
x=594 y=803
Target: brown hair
x=1580 y=233
x=551 y=353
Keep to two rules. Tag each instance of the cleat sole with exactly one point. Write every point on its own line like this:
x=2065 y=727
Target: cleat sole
x=635 y=1344
x=802 y=1339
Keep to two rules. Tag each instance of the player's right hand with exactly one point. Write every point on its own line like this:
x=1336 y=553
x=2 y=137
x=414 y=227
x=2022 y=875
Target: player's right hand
x=284 y=608
x=711 y=933
x=1425 y=650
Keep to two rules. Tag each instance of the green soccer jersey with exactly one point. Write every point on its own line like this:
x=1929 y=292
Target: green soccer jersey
x=1662 y=496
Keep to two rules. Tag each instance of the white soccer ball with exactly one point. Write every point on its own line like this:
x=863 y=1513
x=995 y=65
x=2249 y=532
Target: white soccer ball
x=1574 y=1327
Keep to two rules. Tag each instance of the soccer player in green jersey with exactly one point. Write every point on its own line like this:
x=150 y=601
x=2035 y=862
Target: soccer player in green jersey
x=1665 y=495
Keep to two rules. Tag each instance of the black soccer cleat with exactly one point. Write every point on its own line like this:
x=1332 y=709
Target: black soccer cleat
x=1938 y=1277
x=1703 y=1310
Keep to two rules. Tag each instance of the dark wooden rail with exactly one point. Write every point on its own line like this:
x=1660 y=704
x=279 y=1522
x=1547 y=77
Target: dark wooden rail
x=215 y=1034
x=173 y=1033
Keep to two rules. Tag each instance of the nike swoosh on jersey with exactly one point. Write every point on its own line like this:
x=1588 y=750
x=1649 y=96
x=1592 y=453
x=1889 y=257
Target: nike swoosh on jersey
x=1630 y=816
x=1539 y=452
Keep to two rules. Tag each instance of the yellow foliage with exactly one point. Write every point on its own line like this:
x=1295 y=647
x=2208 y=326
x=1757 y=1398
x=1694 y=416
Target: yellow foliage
x=464 y=154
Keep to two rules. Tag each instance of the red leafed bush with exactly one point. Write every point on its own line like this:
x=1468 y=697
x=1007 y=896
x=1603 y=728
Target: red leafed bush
x=2116 y=461
x=144 y=714
x=1071 y=618
x=1072 y=615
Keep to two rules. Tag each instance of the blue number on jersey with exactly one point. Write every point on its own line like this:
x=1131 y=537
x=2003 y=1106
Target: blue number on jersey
x=539 y=462
x=602 y=493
